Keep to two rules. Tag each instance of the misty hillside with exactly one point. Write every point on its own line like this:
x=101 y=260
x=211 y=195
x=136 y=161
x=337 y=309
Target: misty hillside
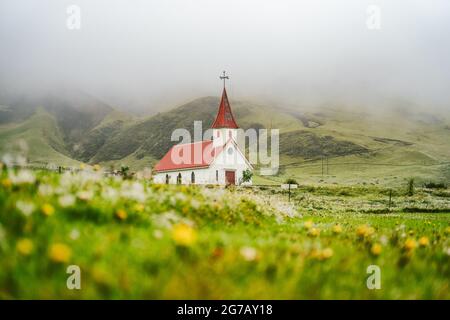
x=81 y=128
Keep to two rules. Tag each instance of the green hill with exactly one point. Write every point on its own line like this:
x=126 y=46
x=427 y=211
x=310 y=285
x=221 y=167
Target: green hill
x=327 y=144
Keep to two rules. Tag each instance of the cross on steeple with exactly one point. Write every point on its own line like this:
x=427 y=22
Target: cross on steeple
x=224 y=77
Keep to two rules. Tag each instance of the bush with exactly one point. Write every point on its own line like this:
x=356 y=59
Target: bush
x=435 y=185
x=290 y=181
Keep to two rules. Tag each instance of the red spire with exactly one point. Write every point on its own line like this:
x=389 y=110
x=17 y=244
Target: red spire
x=224 y=117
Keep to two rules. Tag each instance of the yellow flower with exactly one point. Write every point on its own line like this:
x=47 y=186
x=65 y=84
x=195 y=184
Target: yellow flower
x=60 y=253
x=314 y=232
x=447 y=230
x=376 y=249
x=364 y=231
x=47 y=209
x=326 y=253
x=424 y=241
x=24 y=246
x=139 y=207
x=121 y=214
x=410 y=244
x=6 y=183
x=308 y=224
x=184 y=235
x=337 y=229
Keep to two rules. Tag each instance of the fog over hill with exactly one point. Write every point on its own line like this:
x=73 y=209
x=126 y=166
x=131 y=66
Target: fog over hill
x=146 y=56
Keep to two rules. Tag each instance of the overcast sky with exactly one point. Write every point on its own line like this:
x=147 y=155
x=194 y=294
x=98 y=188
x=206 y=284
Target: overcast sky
x=148 y=53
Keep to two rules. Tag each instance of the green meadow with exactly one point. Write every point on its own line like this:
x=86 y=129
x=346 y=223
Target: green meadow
x=135 y=239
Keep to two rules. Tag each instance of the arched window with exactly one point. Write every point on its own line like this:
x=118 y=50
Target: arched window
x=167 y=179
x=217 y=175
x=179 y=178
x=229 y=133
x=192 y=177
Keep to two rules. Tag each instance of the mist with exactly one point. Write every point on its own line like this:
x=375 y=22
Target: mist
x=141 y=56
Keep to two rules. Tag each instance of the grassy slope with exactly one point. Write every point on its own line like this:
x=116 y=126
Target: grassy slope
x=42 y=137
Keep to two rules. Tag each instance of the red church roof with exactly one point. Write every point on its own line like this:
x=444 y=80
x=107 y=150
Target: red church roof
x=224 y=117
x=188 y=156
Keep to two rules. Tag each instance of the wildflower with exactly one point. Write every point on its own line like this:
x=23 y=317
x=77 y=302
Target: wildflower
x=424 y=241
x=26 y=208
x=6 y=182
x=326 y=253
x=85 y=195
x=158 y=234
x=184 y=235
x=60 y=253
x=74 y=234
x=66 y=200
x=314 y=232
x=139 y=207
x=364 y=231
x=45 y=190
x=47 y=209
x=248 y=253
x=376 y=249
x=22 y=177
x=447 y=230
x=308 y=224
x=410 y=244
x=121 y=214
x=337 y=229
x=24 y=247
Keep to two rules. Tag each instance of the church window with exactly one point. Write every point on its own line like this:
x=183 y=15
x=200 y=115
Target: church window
x=192 y=177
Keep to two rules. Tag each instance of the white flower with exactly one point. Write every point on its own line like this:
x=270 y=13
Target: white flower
x=74 y=234
x=248 y=253
x=447 y=251
x=134 y=191
x=22 y=177
x=66 y=200
x=158 y=234
x=26 y=208
x=45 y=190
x=85 y=195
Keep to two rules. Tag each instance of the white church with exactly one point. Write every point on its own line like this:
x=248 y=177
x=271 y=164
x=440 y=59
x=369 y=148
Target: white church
x=216 y=161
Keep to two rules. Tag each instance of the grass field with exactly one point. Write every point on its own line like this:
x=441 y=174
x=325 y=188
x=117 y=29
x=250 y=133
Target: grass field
x=133 y=239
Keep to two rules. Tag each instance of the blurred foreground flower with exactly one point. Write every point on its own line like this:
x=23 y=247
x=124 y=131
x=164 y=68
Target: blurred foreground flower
x=47 y=209
x=60 y=253
x=66 y=200
x=424 y=241
x=24 y=247
x=26 y=208
x=410 y=244
x=6 y=183
x=308 y=224
x=376 y=249
x=22 y=177
x=314 y=232
x=364 y=231
x=121 y=214
x=248 y=253
x=321 y=255
x=184 y=235
x=337 y=229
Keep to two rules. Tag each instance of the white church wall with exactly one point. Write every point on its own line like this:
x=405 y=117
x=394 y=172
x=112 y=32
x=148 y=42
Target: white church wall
x=229 y=159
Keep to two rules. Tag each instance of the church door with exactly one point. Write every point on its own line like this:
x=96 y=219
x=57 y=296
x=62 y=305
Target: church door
x=230 y=177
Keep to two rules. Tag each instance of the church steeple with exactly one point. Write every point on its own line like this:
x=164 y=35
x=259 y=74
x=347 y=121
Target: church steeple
x=224 y=127
x=224 y=118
